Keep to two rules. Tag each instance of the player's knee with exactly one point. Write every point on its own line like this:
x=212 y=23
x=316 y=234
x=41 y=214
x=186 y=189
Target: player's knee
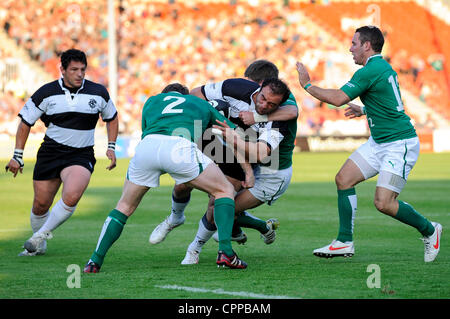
x=40 y=208
x=384 y=206
x=340 y=181
x=71 y=199
x=225 y=190
x=181 y=191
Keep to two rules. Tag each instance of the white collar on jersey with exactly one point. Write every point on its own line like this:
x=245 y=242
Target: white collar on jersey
x=61 y=83
x=71 y=98
x=373 y=56
x=252 y=103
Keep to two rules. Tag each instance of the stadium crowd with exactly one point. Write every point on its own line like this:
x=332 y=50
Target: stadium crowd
x=160 y=43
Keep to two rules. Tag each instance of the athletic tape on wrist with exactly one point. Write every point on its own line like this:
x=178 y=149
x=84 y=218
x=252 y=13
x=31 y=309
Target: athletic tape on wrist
x=112 y=146
x=260 y=117
x=18 y=156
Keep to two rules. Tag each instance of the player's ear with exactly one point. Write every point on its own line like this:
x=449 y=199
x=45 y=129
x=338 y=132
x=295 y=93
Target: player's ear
x=367 y=46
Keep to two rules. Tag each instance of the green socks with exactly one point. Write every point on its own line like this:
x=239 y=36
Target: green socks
x=249 y=221
x=112 y=228
x=408 y=215
x=224 y=218
x=347 y=205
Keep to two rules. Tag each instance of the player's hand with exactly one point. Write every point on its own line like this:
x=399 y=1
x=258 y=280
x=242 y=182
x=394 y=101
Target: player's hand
x=303 y=75
x=247 y=118
x=227 y=133
x=14 y=167
x=353 y=110
x=249 y=179
x=111 y=154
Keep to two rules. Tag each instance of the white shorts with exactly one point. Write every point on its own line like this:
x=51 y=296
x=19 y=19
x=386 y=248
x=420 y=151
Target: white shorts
x=270 y=184
x=393 y=161
x=159 y=154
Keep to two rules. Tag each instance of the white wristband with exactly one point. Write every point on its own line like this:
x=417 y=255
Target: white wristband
x=363 y=109
x=260 y=117
x=112 y=145
x=18 y=156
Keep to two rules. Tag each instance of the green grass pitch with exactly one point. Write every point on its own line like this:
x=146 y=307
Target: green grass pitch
x=308 y=215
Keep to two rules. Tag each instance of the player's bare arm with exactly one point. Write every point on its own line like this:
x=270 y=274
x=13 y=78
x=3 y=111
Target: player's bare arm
x=335 y=97
x=112 y=129
x=197 y=92
x=15 y=165
x=249 y=176
x=260 y=149
x=285 y=113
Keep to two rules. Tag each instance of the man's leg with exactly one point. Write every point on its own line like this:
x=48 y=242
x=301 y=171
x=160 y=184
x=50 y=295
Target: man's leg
x=112 y=228
x=212 y=181
x=207 y=228
x=75 y=179
x=346 y=179
x=44 y=194
x=245 y=200
x=181 y=196
x=386 y=202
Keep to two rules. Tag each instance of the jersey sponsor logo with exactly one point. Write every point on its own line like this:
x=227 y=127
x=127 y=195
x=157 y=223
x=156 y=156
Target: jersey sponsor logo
x=350 y=84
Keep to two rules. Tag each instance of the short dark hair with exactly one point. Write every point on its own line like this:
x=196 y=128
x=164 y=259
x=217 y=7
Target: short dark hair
x=177 y=87
x=278 y=87
x=72 y=55
x=373 y=35
x=260 y=70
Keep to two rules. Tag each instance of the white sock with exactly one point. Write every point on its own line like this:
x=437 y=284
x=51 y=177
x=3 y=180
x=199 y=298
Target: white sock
x=58 y=215
x=37 y=221
x=202 y=236
x=177 y=214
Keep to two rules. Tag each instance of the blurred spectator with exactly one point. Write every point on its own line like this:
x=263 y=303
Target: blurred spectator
x=188 y=42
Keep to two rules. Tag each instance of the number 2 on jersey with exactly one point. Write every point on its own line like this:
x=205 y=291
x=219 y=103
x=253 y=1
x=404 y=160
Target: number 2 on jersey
x=394 y=83
x=170 y=107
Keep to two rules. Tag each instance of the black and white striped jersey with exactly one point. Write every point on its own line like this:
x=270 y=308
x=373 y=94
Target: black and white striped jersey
x=239 y=95
x=70 y=117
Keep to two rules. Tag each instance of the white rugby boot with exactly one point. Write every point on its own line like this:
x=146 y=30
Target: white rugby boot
x=240 y=238
x=192 y=257
x=36 y=241
x=433 y=243
x=269 y=236
x=161 y=231
x=40 y=251
x=336 y=249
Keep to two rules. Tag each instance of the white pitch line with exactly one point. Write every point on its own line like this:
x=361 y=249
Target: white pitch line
x=220 y=291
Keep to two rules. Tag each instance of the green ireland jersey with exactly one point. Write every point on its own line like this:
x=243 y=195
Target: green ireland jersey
x=376 y=84
x=176 y=114
x=289 y=131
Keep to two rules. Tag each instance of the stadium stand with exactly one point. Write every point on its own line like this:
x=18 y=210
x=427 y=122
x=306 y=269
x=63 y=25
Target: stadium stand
x=417 y=43
x=195 y=43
